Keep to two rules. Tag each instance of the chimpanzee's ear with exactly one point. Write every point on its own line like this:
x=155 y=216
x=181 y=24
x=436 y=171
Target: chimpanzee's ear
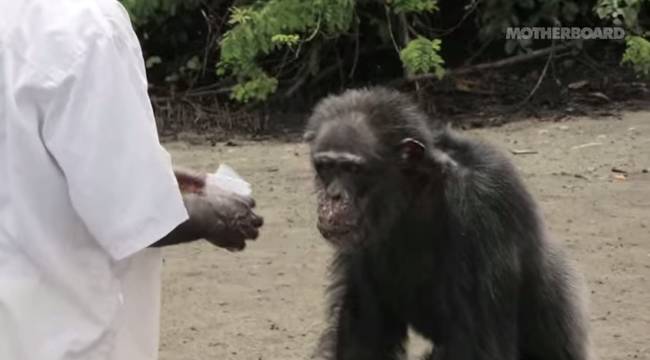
x=416 y=157
x=411 y=151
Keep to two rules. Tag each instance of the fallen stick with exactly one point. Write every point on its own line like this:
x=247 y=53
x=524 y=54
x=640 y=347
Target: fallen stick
x=586 y=145
x=523 y=152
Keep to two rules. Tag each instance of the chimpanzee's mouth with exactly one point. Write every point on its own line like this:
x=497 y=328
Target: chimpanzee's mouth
x=333 y=231
x=338 y=234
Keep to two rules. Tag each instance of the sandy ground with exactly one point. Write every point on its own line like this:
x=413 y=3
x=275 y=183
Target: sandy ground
x=267 y=302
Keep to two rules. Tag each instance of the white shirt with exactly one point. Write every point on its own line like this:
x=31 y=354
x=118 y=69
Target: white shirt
x=85 y=185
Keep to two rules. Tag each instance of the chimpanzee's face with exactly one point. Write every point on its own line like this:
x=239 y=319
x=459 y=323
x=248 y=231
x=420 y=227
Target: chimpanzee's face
x=356 y=181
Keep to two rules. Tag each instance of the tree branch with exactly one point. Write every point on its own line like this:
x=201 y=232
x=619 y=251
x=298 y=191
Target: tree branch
x=356 y=49
x=495 y=65
x=539 y=80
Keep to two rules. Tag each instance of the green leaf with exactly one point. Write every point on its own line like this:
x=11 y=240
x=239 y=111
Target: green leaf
x=422 y=56
x=411 y=6
x=269 y=25
x=282 y=39
x=637 y=55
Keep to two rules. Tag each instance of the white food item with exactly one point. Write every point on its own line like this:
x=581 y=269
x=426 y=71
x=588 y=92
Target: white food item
x=227 y=179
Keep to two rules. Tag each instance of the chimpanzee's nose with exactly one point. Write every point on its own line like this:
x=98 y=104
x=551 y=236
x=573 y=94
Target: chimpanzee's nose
x=336 y=196
x=334 y=192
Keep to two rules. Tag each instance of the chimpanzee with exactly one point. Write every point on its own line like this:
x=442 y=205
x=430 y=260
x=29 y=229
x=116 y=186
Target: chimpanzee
x=434 y=231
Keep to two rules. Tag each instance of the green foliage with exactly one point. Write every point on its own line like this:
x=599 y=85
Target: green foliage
x=266 y=44
x=626 y=13
x=282 y=39
x=408 y=6
x=258 y=88
x=637 y=54
x=622 y=12
x=423 y=56
x=262 y=28
x=240 y=16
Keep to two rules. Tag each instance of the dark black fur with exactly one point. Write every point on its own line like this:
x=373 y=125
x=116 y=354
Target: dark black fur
x=452 y=245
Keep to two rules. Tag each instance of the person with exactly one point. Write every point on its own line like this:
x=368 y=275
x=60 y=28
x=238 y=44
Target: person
x=87 y=193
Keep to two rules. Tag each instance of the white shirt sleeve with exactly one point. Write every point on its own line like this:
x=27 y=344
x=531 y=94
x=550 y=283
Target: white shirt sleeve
x=100 y=129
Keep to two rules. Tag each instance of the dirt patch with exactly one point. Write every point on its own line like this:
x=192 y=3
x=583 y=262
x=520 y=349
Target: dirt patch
x=267 y=302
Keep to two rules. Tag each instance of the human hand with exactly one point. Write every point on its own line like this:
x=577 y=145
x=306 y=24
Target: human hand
x=190 y=181
x=223 y=218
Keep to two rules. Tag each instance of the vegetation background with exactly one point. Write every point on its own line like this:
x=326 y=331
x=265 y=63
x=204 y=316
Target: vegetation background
x=258 y=65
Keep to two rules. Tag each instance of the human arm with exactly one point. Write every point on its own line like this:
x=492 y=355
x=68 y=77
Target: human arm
x=223 y=218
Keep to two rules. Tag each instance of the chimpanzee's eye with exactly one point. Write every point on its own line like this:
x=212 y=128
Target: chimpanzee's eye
x=351 y=168
x=323 y=167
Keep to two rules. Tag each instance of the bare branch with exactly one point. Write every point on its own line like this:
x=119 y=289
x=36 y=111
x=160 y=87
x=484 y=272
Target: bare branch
x=356 y=49
x=390 y=29
x=539 y=80
x=497 y=64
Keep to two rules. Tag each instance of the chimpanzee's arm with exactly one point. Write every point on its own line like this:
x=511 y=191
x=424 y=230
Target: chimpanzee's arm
x=364 y=328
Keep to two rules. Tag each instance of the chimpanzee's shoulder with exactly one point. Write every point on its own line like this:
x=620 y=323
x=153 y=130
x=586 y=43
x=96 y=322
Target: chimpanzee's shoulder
x=470 y=151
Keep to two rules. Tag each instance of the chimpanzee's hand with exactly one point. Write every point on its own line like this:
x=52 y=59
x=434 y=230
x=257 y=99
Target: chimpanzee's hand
x=223 y=218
